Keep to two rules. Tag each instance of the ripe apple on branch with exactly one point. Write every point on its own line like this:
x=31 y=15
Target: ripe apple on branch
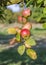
x=24 y=16
x=23 y=35
x=24 y=32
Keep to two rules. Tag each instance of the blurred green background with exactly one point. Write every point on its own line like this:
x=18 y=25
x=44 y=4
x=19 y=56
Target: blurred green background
x=38 y=8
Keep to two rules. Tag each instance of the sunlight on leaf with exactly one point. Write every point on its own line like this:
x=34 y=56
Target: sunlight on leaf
x=31 y=53
x=13 y=2
x=39 y=1
x=44 y=2
x=18 y=37
x=44 y=10
x=11 y=31
x=21 y=49
x=30 y=42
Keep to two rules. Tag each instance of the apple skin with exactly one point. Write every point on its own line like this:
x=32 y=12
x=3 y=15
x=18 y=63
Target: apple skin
x=24 y=20
x=28 y=26
x=26 y=12
x=25 y=33
x=20 y=19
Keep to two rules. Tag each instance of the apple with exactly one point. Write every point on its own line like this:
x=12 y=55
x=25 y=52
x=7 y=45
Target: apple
x=24 y=20
x=25 y=33
x=28 y=26
x=20 y=19
x=26 y=12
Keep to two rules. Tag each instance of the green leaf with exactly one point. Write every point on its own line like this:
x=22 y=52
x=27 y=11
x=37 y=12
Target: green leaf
x=30 y=42
x=44 y=2
x=13 y=2
x=31 y=53
x=37 y=14
x=43 y=16
x=29 y=2
x=21 y=49
x=39 y=1
x=44 y=10
x=44 y=25
x=18 y=37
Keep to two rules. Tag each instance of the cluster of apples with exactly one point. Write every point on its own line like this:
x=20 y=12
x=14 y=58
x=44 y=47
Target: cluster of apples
x=25 y=13
x=24 y=32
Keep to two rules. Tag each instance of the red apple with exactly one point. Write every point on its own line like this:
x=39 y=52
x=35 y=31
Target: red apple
x=25 y=33
x=26 y=12
x=20 y=19
x=24 y=20
x=28 y=26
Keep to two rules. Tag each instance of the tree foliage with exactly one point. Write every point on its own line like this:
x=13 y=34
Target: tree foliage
x=38 y=8
x=5 y=14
